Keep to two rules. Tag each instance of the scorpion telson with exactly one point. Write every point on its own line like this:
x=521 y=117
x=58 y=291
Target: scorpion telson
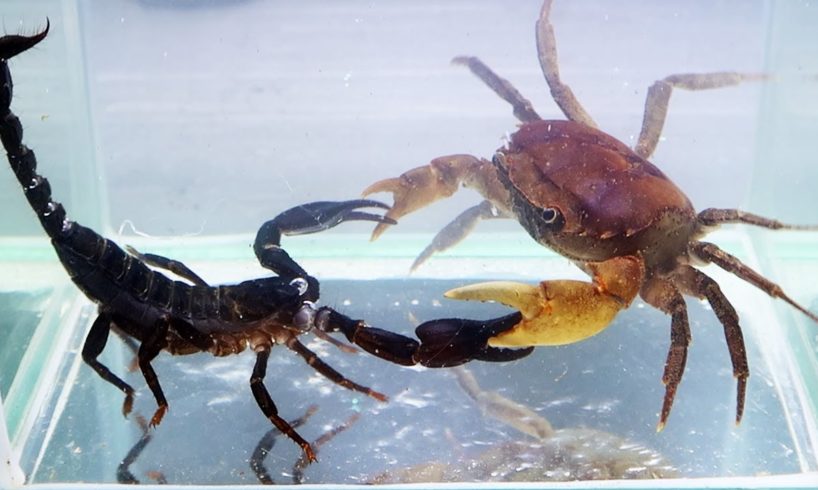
x=141 y=303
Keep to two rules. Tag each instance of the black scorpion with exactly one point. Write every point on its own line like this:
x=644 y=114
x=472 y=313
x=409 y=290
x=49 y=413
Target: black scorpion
x=141 y=303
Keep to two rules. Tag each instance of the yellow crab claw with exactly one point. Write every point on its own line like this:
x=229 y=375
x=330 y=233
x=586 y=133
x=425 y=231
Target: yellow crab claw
x=554 y=313
x=563 y=311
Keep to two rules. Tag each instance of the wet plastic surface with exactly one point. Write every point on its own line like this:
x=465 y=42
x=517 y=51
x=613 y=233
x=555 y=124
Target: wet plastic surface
x=609 y=383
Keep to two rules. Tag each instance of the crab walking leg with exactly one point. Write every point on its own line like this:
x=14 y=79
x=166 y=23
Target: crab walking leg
x=459 y=228
x=663 y=295
x=716 y=216
x=709 y=252
x=523 y=110
x=547 y=54
x=563 y=311
x=658 y=98
x=498 y=407
x=697 y=284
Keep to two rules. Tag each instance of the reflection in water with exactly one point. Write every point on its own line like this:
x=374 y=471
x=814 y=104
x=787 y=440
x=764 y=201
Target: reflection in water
x=546 y=455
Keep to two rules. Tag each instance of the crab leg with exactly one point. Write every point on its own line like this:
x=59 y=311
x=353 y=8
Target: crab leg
x=709 y=252
x=698 y=284
x=458 y=229
x=716 y=216
x=665 y=296
x=547 y=53
x=658 y=99
x=523 y=110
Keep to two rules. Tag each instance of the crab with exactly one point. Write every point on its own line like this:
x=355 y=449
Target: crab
x=604 y=206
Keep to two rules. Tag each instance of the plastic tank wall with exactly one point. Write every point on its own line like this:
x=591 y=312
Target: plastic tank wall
x=181 y=126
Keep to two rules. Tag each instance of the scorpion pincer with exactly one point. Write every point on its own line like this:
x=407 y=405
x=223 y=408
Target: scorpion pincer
x=141 y=303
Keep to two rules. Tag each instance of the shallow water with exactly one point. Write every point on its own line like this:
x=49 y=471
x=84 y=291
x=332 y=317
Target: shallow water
x=609 y=383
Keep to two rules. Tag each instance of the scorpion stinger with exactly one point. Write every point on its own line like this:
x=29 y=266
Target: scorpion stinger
x=142 y=304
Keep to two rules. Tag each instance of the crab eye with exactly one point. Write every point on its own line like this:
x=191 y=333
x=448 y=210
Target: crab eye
x=550 y=215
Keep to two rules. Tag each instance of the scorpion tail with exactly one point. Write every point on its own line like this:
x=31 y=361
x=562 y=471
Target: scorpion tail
x=14 y=44
x=22 y=159
x=78 y=247
x=11 y=46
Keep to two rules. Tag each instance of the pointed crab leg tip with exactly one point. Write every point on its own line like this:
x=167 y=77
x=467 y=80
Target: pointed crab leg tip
x=660 y=427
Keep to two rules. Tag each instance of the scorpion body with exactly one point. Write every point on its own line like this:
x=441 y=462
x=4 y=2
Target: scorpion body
x=138 y=302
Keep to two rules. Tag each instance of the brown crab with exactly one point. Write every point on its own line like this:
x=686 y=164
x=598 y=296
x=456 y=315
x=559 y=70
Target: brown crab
x=604 y=206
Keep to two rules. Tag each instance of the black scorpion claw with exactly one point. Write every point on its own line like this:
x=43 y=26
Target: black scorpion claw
x=308 y=218
x=322 y=215
x=450 y=342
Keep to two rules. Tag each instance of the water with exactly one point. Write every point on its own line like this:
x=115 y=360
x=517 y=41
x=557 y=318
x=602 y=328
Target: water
x=194 y=122
x=610 y=383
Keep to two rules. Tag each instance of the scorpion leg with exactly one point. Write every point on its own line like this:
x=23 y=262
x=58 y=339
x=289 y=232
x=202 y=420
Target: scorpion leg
x=123 y=471
x=308 y=218
x=266 y=443
x=298 y=467
x=658 y=99
x=268 y=407
x=148 y=350
x=93 y=347
x=171 y=265
x=328 y=372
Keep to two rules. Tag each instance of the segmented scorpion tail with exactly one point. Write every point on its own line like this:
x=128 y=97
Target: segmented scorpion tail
x=22 y=159
x=78 y=247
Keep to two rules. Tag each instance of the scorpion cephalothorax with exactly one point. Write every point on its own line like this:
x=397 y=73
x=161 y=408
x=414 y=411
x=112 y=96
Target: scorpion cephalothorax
x=142 y=303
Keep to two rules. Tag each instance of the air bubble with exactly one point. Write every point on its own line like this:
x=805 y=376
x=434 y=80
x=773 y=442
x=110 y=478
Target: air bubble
x=299 y=283
x=67 y=226
x=36 y=181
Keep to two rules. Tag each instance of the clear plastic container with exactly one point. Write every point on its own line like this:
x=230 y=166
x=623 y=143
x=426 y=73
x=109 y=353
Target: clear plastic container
x=179 y=127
